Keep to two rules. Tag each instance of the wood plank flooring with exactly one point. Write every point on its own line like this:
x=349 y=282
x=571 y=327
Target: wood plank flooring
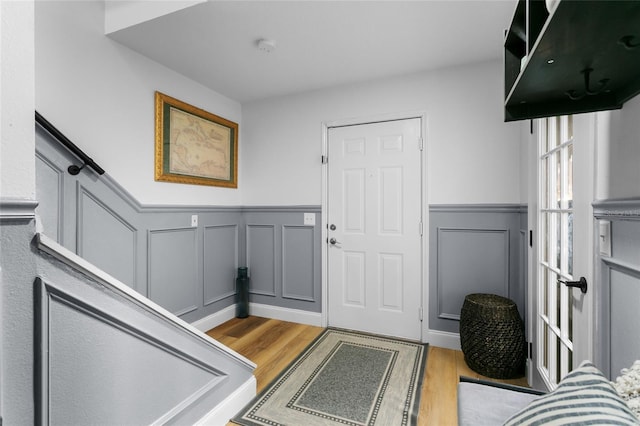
x=273 y=344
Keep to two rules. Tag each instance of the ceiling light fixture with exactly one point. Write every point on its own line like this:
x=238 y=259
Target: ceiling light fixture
x=266 y=45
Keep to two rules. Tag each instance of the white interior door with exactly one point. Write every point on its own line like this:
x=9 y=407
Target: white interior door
x=562 y=315
x=374 y=247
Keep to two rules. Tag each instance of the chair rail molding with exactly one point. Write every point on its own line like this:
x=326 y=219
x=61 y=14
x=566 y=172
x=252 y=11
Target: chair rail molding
x=17 y=208
x=621 y=209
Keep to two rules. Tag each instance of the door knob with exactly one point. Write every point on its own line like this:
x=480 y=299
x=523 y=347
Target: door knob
x=334 y=242
x=581 y=284
x=332 y=227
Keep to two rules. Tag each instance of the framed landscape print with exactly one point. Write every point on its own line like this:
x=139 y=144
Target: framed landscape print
x=194 y=146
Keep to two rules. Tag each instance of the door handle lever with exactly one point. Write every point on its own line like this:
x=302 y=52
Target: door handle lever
x=581 y=284
x=334 y=242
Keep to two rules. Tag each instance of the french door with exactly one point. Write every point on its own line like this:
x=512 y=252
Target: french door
x=563 y=312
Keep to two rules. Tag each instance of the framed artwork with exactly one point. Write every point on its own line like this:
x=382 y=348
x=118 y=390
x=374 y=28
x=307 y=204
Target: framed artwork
x=194 y=146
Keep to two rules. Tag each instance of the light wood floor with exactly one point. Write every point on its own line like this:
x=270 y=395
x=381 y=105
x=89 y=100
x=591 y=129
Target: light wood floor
x=273 y=344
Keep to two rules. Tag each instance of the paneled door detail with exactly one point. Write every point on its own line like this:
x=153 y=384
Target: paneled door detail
x=563 y=315
x=374 y=228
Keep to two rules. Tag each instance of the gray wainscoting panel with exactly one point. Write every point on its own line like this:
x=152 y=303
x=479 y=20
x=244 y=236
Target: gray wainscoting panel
x=95 y=217
x=84 y=343
x=105 y=238
x=473 y=249
x=103 y=355
x=173 y=278
x=617 y=285
x=298 y=263
x=18 y=270
x=520 y=292
x=261 y=260
x=50 y=186
x=624 y=319
x=470 y=259
x=294 y=252
x=220 y=262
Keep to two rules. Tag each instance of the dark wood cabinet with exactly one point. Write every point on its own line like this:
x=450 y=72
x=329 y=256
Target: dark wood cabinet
x=580 y=56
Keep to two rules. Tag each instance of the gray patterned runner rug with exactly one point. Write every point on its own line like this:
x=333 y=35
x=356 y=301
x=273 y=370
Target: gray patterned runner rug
x=344 y=378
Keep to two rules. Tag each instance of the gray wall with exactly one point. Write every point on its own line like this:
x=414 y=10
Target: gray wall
x=85 y=352
x=474 y=249
x=190 y=271
x=284 y=258
x=618 y=289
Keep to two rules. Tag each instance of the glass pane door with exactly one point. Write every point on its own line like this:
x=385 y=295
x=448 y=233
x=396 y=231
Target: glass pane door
x=555 y=225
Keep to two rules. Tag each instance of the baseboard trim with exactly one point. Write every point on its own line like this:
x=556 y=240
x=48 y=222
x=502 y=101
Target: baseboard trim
x=437 y=338
x=231 y=405
x=212 y=321
x=443 y=339
x=259 y=310
x=286 y=314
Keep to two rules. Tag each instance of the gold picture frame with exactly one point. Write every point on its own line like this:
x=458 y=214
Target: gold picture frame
x=194 y=146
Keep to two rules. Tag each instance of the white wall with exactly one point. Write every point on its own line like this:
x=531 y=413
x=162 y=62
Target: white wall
x=17 y=136
x=473 y=156
x=619 y=152
x=101 y=96
x=526 y=140
x=17 y=177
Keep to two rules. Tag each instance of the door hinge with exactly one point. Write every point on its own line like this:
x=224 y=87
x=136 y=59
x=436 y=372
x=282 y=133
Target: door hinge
x=530 y=355
x=420 y=313
x=530 y=238
x=324 y=159
x=420 y=144
x=421 y=228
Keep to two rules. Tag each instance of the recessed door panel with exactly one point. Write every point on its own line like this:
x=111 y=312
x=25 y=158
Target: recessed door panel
x=354 y=200
x=391 y=281
x=354 y=147
x=390 y=201
x=354 y=279
x=391 y=143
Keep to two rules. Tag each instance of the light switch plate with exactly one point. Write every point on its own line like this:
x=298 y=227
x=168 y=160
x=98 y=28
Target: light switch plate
x=310 y=219
x=604 y=237
x=194 y=220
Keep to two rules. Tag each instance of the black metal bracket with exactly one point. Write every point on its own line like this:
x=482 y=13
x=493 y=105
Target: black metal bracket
x=587 y=90
x=581 y=284
x=74 y=170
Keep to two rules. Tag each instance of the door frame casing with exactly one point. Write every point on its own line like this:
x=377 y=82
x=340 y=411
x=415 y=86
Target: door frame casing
x=424 y=211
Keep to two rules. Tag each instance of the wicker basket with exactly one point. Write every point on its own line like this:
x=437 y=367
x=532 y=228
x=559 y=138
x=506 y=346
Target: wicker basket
x=492 y=336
